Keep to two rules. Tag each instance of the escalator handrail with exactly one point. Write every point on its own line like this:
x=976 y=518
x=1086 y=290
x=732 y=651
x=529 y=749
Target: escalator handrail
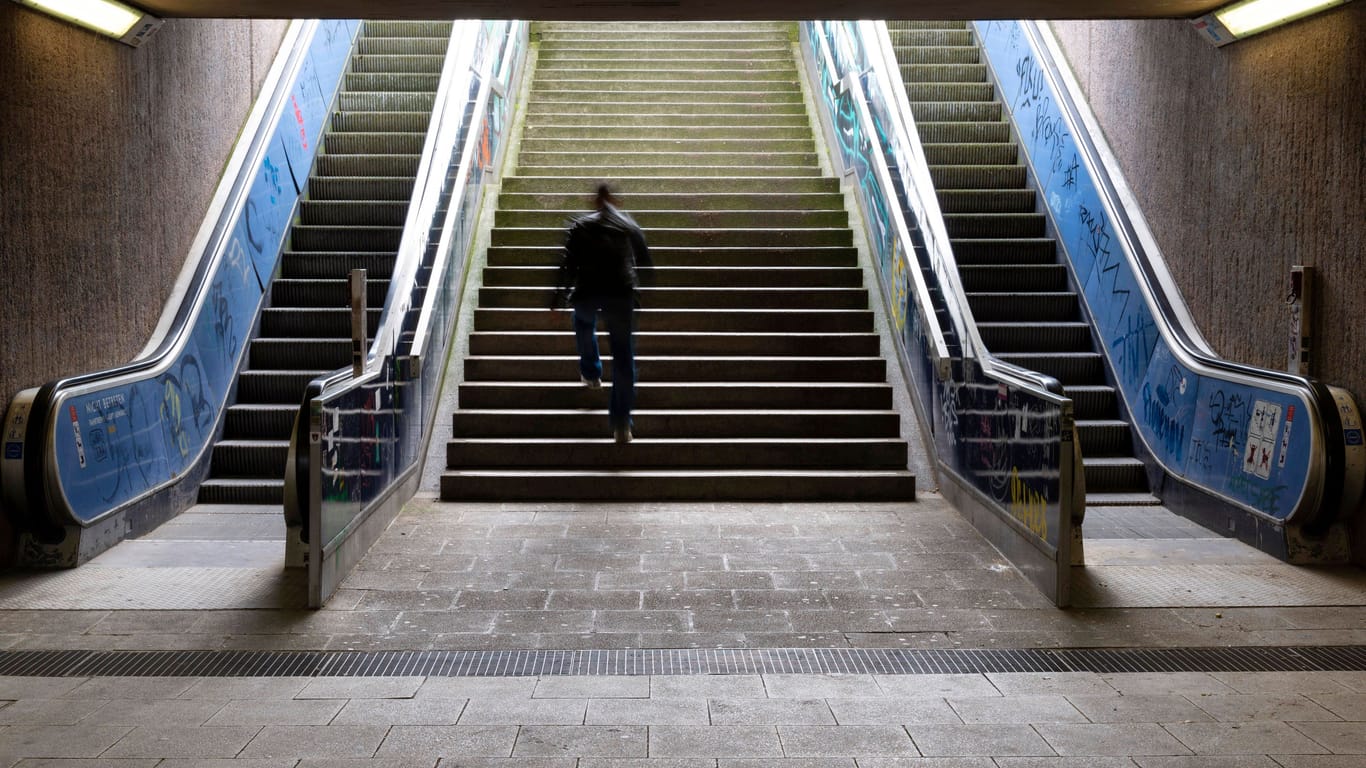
x=426 y=316
x=1173 y=317
x=188 y=296
x=924 y=306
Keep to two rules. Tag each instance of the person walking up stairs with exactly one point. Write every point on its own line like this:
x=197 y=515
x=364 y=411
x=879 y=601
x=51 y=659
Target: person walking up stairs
x=760 y=374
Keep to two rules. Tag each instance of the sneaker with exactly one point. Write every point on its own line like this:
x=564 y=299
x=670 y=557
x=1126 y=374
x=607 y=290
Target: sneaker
x=623 y=434
x=591 y=383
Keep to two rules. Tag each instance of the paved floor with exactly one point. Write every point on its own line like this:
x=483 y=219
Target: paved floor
x=682 y=576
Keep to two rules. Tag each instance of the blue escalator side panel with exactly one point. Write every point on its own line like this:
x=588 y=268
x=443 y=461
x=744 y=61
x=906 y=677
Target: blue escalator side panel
x=1241 y=442
x=126 y=440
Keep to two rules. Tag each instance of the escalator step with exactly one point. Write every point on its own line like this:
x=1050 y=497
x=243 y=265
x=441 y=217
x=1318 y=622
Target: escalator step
x=360 y=165
x=1072 y=368
x=388 y=82
x=388 y=213
x=274 y=387
x=428 y=63
x=385 y=102
x=915 y=24
x=334 y=238
x=1114 y=474
x=1104 y=438
x=325 y=264
x=1094 y=402
x=1036 y=306
x=381 y=121
x=944 y=73
x=287 y=322
x=292 y=354
x=396 y=188
x=1004 y=225
x=259 y=422
x=986 y=200
x=374 y=143
x=399 y=46
x=931 y=36
x=1038 y=250
x=407 y=29
x=1036 y=337
x=324 y=292
x=971 y=154
x=1014 y=277
x=962 y=132
x=265 y=459
x=236 y=491
x=950 y=92
x=1007 y=176
x=957 y=111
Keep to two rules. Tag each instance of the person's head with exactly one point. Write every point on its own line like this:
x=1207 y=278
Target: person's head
x=604 y=197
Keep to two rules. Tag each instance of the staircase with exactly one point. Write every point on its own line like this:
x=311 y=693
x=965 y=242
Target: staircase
x=351 y=217
x=1018 y=290
x=759 y=371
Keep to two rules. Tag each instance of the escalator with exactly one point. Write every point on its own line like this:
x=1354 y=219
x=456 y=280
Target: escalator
x=1015 y=282
x=351 y=217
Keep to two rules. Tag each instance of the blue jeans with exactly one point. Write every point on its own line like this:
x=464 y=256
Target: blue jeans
x=620 y=317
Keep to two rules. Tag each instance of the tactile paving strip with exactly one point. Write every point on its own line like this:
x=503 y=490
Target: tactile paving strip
x=747 y=661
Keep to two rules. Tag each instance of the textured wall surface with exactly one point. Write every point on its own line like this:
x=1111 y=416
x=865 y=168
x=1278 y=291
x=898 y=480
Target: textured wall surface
x=110 y=156
x=1246 y=159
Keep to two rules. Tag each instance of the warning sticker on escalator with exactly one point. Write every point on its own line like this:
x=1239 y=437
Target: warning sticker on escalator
x=1262 y=432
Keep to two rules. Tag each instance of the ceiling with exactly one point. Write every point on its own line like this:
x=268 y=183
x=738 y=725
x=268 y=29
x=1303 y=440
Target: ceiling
x=683 y=9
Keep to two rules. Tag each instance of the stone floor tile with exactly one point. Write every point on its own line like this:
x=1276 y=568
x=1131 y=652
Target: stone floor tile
x=872 y=599
x=317 y=741
x=593 y=599
x=839 y=620
x=729 y=580
x=893 y=710
x=707 y=686
x=419 y=711
x=1282 y=682
x=508 y=762
x=438 y=622
x=497 y=711
x=714 y=741
x=71 y=741
x=228 y=688
x=156 y=712
x=1165 y=683
x=642 y=621
x=1348 y=706
x=701 y=640
x=780 y=599
x=1250 y=738
x=938 y=619
x=85 y=763
x=1317 y=761
x=935 y=762
x=1063 y=683
x=846 y=740
x=650 y=580
x=1339 y=738
x=1141 y=708
x=824 y=686
x=1091 y=761
x=1205 y=761
x=741 y=621
x=1253 y=706
x=277 y=712
x=970 y=740
x=582 y=741
x=689 y=600
x=827 y=581
x=130 y=688
x=184 y=741
x=406 y=600
x=647 y=762
x=502 y=600
x=592 y=687
x=1353 y=680
x=48 y=711
x=1017 y=709
x=770 y=712
x=647 y=712
x=449 y=741
x=361 y=688
x=936 y=686
x=508 y=622
x=37 y=687
x=1110 y=739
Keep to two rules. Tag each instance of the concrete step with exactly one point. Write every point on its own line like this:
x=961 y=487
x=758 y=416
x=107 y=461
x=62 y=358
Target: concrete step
x=875 y=453
x=678 y=94
x=615 y=170
x=654 y=158
x=654 y=221
x=694 y=256
x=553 y=75
x=628 y=187
x=686 y=320
x=671 y=143
x=676 y=237
x=614 y=104
x=564 y=203
x=692 y=344
x=678 y=485
x=680 y=368
x=791 y=131
x=721 y=122
x=674 y=395
x=664 y=52
x=730 y=423
x=677 y=277
x=699 y=298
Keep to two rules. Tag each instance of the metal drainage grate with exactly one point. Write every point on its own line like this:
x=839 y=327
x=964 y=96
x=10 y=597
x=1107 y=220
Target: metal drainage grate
x=672 y=662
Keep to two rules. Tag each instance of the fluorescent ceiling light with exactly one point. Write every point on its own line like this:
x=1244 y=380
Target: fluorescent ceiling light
x=128 y=25
x=1247 y=18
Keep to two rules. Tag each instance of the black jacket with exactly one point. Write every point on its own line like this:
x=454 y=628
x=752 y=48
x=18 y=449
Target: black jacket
x=604 y=257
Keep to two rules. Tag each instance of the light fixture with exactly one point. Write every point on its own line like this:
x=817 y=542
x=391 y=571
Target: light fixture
x=1249 y=17
x=107 y=17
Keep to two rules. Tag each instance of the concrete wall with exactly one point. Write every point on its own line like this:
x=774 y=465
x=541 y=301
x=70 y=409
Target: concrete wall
x=110 y=155
x=1246 y=159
